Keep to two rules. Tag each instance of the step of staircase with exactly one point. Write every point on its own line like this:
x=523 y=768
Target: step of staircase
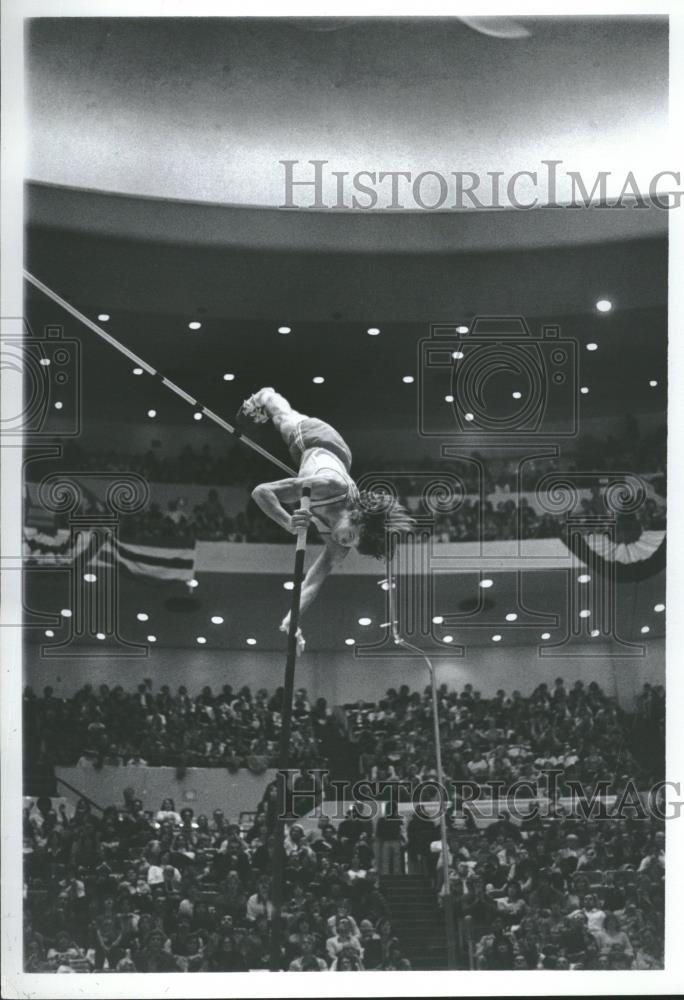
x=416 y=919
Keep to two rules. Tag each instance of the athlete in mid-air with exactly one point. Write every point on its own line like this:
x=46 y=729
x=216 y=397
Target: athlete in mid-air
x=345 y=518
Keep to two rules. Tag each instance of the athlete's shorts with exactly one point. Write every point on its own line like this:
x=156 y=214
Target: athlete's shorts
x=311 y=432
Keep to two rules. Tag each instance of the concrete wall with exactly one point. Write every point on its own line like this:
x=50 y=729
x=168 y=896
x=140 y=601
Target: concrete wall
x=342 y=677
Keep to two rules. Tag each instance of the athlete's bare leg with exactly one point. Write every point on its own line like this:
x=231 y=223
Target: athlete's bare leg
x=267 y=404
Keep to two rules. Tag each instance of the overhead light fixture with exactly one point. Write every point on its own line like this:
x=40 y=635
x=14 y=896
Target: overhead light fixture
x=516 y=395
x=142 y=616
x=151 y=638
x=545 y=635
x=58 y=405
x=448 y=638
x=152 y=414
x=49 y=633
x=659 y=607
x=595 y=633
x=604 y=305
x=45 y=362
x=585 y=613
x=201 y=640
x=469 y=416
x=372 y=331
x=318 y=380
x=438 y=620
x=462 y=329
x=584 y=578
x=137 y=371
x=350 y=642
x=251 y=641
x=216 y=620
x=288 y=585
x=195 y=325
x=364 y=621
x=103 y=317
x=284 y=330
x=486 y=584
x=100 y=636
x=65 y=613
x=592 y=347
x=449 y=398
x=496 y=638
x=584 y=390
x=407 y=379
x=511 y=616
x=457 y=355
x=228 y=377
x=89 y=577
x=197 y=415
x=653 y=383
x=645 y=629
x=193 y=583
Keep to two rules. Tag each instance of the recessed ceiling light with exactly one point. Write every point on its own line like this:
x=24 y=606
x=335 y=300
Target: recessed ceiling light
x=216 y=620
x=251 y=641
x=197 y=415
x=49 y=633
x=585 y=613
x=517 y=395
x=89 y=577
x=449 y=398
x=511 y=616
x=288 y=585
x=604 y=305
x=103 y=317
x=658 y=607
x=193 y=583
x=201 y=640
x=584 y=578
x=469 y=416
x=195 y=325
x=142 y=616
x=318 y=380
x=584 y=390
x=151 y=638
x=408 y=379
x=645 y=629
x=595 y=633
x=457 y=355
x=653 y=383
x=152 y=414
x=45 y=362
x=284 y=329
x=65 y=613
x=228 y=377
x=364 y=621
x=438 y=620
x=485 y=584
x=592 y=347
x=546 y=635
x=137 y=371
x=448 y=638
x=372 y=331
x=58 y=405
x=461 y=329
x=100 y=636
x=496 y=638
x=350 y=642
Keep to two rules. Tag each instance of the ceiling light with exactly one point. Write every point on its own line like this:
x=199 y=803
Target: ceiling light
x=659 y=607
x=284 y=329
x=193 y=583
x=511 y=616
x=137 y=371
x=449 y=399
x=595 y=633
x=89 y=577
x=364 y=621
x=438 y=620
x=408 y=379
x=585 y=613
x=49 y=633
x=457 y=355
x=142 y=616
x=201 y=640
x=58 y=405
x=517 y=395
x=546 y=635
x=372 y=331
x=653 y=383
x=592 y=347
x=103 y=317
x=583 y=578
x=645 y=629
x=288 y=585
x=584 y=390
x=197 y=415
x=228 y=377
x=350 y=642
x=195 y=325
x=469 y=416
x=485 y=584
x=152 y=414
x=216 y=620
x=151 y=638
x=45 y=362
x=318 y=380
x=461 y=329
x=65 y=613
x=251 y=641
x=496 y=638
x=604 y=305
x=448 y=638
x=100 y=636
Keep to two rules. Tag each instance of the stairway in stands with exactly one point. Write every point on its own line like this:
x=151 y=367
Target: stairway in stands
x=416 y=919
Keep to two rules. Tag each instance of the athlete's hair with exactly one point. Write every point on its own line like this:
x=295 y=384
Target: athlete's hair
x=380 y=519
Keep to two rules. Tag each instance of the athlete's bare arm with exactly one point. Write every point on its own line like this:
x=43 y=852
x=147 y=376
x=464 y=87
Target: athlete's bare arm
x=331 y=556
x=270 y=498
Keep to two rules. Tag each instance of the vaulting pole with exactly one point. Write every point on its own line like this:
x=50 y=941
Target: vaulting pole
x=283 y=777
x=167 y=383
